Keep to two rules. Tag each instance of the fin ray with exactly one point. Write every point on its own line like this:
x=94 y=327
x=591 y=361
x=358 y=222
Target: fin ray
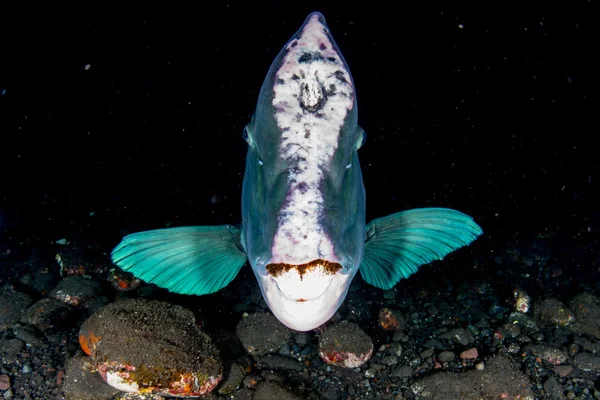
x=398 y=244
x=189 y=260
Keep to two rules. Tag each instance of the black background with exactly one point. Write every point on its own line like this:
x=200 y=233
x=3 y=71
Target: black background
x=497 y=119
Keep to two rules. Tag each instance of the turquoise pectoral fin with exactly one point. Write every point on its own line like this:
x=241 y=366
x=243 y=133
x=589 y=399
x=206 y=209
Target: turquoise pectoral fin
x=398 y=244
x=190 y=260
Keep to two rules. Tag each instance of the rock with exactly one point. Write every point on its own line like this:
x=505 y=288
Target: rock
x=403 y=372
x=10 y=348
x=460 y=336
x=345 y=344
x=80 y=259
x=302 y=338
x=44 y=279
x=523 y=321
x=522 y=300
x=426 y=353
x=273 y=391
x=81 y=381
x=446 y=356
x=29 y=334
x=587 y=362
x=233 y=379
x=151 y=346
x=563 y=370
x=50 y=315
x=76 y=290
x=4 y=382
x=123 y=281
x=500 y=379
x=469 y=354
x=391 y=320
x=551 y=312
x=586 y=307
x=279 y=363
x=14 y=304
x=262 y=333
x=553 y=389
x=550 y=354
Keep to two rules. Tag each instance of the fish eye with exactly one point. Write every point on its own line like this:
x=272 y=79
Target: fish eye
x=246 y=135
x=362 y=139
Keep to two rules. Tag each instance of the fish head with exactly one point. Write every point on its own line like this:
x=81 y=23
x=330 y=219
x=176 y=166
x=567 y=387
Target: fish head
x=303 y=200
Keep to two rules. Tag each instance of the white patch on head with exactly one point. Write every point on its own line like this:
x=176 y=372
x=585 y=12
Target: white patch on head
x=312 y=96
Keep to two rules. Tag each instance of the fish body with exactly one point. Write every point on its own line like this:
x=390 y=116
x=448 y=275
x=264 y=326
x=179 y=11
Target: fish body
x=303 y=227
x=303 y=208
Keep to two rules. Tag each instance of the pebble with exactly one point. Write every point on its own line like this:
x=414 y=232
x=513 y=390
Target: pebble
x=345 y=344
x=446 y=356
x=587 y=362
x=390 y=360
x=351 y=390
x=277 y=362
x=29 y=335
x=550 y=354
x=50 y=314
x=4 y=382
x=271 y=391
x=391 y=320
x=552 y=312
x=426 y=353
x=303 y=338
x=469 y=354
x=14 y=304
x=396 y=349
x=403 y=372
x=233 y=379
x=563 y=370
x=76 y=290
x=262 y=333
x=460 y=336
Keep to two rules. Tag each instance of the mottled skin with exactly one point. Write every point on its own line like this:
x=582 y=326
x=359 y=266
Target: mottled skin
x=303 y=197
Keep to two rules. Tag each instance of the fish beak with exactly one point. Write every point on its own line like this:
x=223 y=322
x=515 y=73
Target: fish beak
x=303 y=297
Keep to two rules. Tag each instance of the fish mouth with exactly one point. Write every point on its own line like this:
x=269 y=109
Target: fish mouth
x=304 y=296
x=303 y=282
x=315 y=296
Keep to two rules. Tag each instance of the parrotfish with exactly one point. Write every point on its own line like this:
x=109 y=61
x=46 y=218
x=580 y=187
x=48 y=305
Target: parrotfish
x=303 y=226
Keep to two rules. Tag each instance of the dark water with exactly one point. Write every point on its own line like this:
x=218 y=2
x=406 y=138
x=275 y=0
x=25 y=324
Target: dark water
x=120 y=120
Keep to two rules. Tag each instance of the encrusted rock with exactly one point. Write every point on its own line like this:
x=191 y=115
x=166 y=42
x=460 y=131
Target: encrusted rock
x=346 y=345
x=551 y=312
x=76 y=290
x=391 y=320
x=151 y=347
x=50 y=314
x=586 y=307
